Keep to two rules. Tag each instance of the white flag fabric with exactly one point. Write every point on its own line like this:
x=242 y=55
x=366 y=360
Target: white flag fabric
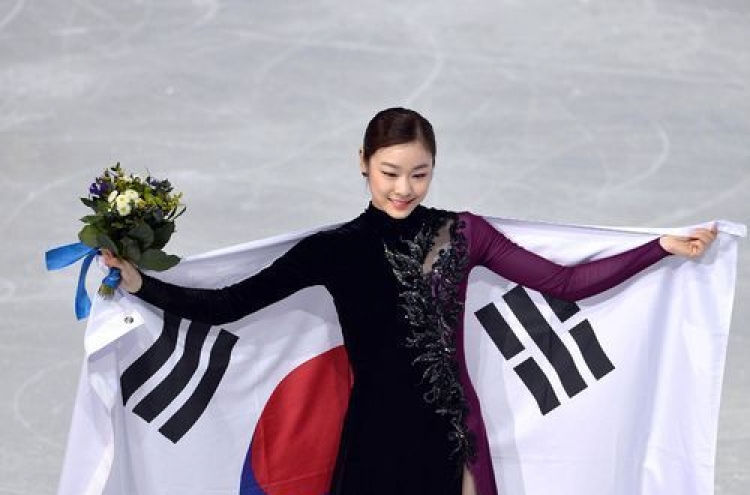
x=617 y=394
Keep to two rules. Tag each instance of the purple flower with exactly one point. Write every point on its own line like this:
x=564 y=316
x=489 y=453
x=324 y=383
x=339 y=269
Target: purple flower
x=159 y=185
x=99 y=188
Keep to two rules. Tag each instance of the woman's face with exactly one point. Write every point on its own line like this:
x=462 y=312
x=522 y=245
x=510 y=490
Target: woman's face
x=399 y=177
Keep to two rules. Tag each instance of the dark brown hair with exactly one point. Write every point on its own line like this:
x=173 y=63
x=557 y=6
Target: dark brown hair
x=397 y=126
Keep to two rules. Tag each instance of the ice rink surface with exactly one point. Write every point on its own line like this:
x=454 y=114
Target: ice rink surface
x=590 y=111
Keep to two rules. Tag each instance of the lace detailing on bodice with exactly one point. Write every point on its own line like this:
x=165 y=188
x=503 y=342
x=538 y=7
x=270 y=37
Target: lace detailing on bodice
x=430 y=272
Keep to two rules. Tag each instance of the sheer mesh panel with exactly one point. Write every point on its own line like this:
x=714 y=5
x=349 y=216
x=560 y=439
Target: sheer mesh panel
x=442 y=244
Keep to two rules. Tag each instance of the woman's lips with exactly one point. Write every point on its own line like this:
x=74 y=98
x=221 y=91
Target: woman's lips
x=401 y=204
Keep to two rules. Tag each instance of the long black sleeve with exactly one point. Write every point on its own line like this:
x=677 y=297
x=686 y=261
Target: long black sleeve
x=302 y=266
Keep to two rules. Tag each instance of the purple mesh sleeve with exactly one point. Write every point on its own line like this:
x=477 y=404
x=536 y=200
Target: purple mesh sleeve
x=492 y=249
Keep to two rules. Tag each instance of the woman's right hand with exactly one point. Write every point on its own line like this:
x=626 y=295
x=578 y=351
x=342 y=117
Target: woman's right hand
x=131 y=278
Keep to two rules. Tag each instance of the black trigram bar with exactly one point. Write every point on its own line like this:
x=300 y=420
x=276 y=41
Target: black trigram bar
x=175 y=382
x=563 y=309
x=499 y=331
x=150 y=361
x=538 y=384
x=546 y=339
x=146 y=366
x=592 y=351
x=185 y=417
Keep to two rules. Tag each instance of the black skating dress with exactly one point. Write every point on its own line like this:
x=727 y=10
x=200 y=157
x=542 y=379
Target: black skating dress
x=399 y=285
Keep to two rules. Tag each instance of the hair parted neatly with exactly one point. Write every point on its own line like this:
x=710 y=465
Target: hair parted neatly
x=397 y=126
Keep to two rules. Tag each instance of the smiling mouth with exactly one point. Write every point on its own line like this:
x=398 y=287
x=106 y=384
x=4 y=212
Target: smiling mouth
x=401 y=204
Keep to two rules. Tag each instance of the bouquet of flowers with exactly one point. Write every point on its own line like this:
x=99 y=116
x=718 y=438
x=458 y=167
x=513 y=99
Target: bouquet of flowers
x=133 y=217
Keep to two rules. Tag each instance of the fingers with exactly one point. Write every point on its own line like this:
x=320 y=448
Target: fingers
x=691 y=246
x=699 y=241
x=111 y=260
x=704 y=236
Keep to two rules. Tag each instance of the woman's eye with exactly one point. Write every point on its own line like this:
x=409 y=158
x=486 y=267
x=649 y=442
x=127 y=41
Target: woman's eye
x=390 y=174
x=420 y=176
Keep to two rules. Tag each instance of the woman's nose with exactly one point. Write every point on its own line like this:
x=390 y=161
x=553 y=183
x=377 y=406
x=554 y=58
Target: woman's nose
x=403 y=186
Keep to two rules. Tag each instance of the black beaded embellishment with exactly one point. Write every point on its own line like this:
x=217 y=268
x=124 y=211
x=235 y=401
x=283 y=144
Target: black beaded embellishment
x=432 y=307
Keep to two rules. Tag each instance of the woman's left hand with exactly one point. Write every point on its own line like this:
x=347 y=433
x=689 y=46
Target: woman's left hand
x=691 y=246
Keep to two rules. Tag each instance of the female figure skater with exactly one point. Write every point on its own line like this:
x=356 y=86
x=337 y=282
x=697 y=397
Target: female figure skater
x=398 y=275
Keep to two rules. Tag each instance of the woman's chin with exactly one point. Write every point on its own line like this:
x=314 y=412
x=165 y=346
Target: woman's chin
x=400 y=209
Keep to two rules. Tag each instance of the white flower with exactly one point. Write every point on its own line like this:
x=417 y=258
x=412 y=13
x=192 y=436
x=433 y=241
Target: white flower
x=124 y=205
x=124 y=209
x=112 y=197
x=131 y=194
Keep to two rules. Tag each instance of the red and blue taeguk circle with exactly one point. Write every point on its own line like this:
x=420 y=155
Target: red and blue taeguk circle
x=294 y=447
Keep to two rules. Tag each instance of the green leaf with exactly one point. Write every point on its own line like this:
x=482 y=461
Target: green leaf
x=101 y=206
x=158 y=260
x=91 y=219
x=131 y=250
x=143 y=234
x=174 y=214
x=88 y=235
x=89 y=202
x=105 y=242
x=162 y=235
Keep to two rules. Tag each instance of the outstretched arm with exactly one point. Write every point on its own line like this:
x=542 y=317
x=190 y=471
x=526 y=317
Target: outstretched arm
x=296 y=269
x=492 y=249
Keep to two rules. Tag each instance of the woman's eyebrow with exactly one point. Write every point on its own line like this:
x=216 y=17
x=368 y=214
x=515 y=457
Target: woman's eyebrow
x=398 y=167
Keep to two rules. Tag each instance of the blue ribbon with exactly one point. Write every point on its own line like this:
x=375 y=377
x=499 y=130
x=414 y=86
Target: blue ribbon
x=112 y=280
x=63 y=256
